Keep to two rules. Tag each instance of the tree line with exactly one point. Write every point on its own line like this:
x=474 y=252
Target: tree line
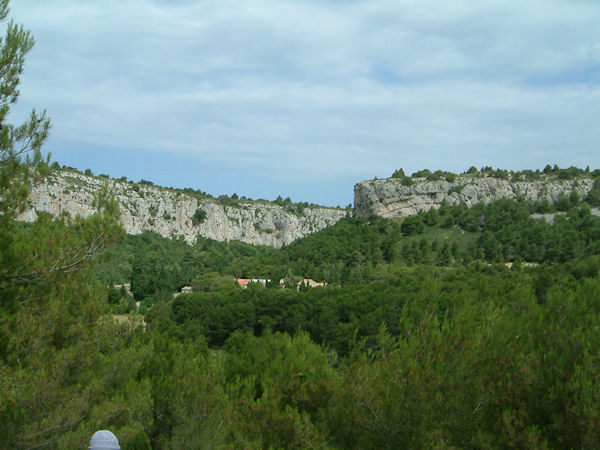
x=359 y=250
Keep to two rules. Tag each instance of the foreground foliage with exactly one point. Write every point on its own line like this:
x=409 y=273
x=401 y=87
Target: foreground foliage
x=476 y=358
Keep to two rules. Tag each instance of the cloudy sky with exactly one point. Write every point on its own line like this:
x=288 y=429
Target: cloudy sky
x=305 y=98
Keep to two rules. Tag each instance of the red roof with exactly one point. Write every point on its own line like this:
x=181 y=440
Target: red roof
x=243 y=282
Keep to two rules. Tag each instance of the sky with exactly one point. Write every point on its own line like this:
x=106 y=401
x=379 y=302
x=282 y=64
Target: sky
x=305 y=98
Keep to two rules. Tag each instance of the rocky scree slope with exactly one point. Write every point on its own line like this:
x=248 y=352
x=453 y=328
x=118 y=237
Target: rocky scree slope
x=391 y=198
x=169 y=213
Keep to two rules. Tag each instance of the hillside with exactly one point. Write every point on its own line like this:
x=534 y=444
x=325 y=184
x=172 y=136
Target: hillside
x=180 y=213
x=188 y=214
x=426 y=312
x=403 y=196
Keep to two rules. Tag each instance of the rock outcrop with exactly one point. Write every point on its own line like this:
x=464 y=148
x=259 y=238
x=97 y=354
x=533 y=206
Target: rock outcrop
x=169 y=212
x=392 y=198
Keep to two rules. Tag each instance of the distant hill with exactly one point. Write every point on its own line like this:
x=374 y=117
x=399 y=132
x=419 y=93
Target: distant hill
x=181 y=213
x=402 y=196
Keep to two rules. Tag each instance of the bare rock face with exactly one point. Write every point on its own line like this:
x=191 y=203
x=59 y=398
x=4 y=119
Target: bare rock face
x=391 y=198
x=169 y=213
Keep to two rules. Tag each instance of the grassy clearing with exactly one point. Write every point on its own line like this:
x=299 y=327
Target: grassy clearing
x=454 y=234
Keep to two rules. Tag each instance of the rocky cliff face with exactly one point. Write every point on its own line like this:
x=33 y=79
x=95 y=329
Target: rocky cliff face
x=391 y=198
x=169 y=213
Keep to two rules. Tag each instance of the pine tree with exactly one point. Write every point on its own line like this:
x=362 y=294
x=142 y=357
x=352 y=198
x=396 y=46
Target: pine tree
x=57 y=350
x=18 y=144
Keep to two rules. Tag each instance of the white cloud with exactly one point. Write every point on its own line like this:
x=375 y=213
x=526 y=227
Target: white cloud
x=308 y=90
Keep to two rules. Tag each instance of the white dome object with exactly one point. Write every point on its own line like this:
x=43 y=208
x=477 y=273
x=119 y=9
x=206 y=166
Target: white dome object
x=104 y=440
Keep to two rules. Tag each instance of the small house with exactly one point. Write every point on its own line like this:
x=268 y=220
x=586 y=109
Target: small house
x=243 y=282
x=308 y=282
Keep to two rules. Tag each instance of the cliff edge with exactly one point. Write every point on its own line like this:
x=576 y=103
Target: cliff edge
x=393 y=198
x=174 y=214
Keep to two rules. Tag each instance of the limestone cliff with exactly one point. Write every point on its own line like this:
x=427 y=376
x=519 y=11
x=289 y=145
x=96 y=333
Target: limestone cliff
x=169 y=213
x=392 y=198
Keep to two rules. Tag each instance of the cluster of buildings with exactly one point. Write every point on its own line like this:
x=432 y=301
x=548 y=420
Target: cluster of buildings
x=244 y=282
x=307 y=282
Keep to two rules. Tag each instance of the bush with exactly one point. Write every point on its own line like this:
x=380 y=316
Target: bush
x=593 y=197
x=412 y=225
x=199 y=216
x=399 y=174
x=421 y=173
x=450 y=177
x=458 y=189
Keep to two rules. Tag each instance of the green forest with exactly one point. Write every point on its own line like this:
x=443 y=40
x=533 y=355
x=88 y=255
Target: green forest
x=454 y=328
